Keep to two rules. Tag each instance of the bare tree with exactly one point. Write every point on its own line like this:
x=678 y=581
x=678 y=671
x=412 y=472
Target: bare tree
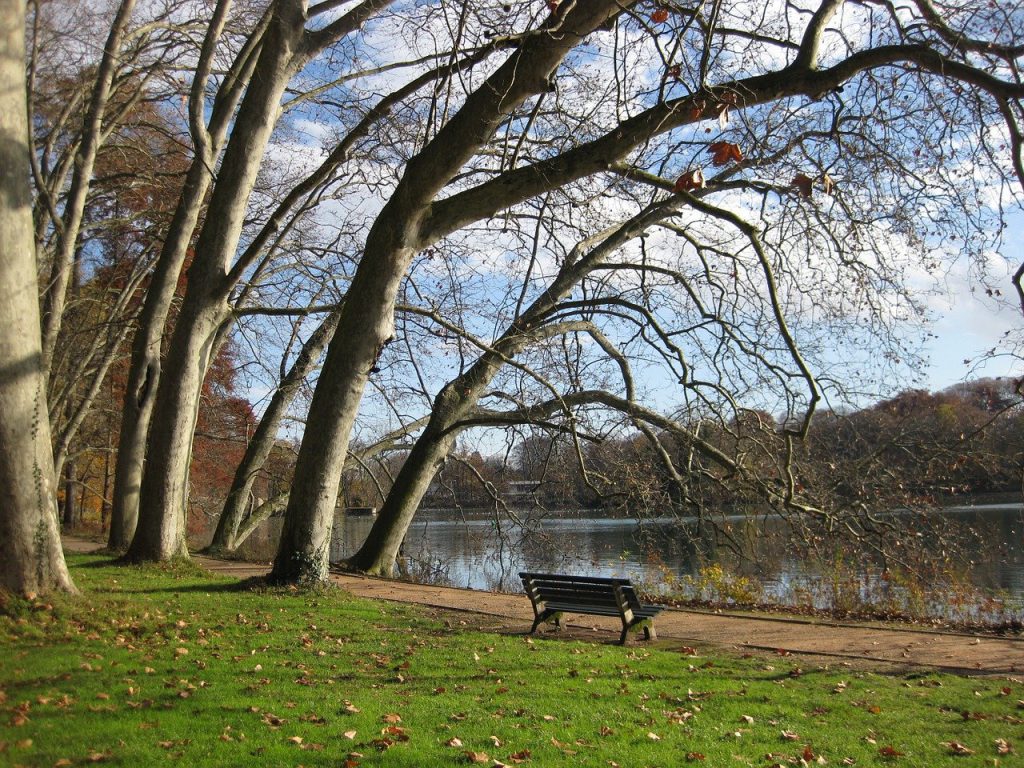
x=808 y=69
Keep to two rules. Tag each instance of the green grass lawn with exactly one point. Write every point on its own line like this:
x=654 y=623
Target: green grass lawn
x=151 y=666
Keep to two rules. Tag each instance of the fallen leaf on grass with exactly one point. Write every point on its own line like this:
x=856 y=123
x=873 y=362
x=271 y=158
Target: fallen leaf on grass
x=695 y=757
x=890 y=752
x=790 y=736
x=173 y=744
x=478 y=757
x=519 y=757
x=392 y=718
x=958 y=749
x=653 y=736
x=350 y=735
x=1003 y=747
x=454 y=741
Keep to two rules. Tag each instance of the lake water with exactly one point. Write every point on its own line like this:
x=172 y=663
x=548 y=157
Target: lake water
x=481 y=552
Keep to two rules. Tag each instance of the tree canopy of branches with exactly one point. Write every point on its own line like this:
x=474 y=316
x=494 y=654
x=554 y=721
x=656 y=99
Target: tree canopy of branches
x=494 y=215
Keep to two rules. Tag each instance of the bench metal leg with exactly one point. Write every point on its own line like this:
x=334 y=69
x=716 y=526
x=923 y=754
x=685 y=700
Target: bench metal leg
x=545 y=616
x=649 y=633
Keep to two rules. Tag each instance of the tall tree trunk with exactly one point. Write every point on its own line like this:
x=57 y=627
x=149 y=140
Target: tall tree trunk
x=144 y=372
x=227 y=536
x=367 y=317
x=31 y=559
x=160 y=533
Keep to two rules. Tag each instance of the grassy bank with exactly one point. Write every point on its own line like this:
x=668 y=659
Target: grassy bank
x=153 y=665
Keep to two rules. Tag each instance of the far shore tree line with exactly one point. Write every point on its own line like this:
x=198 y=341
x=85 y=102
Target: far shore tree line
x=598 y=230
x=918 y=450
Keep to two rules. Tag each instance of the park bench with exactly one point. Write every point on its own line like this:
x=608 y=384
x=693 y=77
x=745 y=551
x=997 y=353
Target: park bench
x=553 y=594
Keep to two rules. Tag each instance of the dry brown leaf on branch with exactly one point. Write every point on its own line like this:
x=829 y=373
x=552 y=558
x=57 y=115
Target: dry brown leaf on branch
x=724 y=152
x=803 y=184
x=690 y=181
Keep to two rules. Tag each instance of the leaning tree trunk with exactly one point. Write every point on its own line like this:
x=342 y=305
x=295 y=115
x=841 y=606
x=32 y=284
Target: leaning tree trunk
x=31 y=559
x=379 y=551
x=226 y=537
x=144 y=372
x=367 y=317
x=365 y=325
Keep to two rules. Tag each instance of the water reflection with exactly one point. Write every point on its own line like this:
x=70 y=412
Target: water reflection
x=482 y=552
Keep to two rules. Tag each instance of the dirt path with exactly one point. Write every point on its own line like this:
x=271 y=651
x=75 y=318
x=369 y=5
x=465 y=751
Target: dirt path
x=891 y=646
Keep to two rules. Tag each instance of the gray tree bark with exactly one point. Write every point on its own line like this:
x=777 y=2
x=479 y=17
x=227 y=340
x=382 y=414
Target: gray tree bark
x=31 y=559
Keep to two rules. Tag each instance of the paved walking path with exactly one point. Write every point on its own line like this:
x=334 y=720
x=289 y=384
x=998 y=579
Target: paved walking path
x=892 y=645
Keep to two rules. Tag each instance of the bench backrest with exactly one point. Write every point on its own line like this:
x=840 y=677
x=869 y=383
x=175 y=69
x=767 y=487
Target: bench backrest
x=598 y=591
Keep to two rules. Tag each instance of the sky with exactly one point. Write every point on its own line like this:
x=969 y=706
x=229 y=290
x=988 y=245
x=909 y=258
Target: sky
x=964 y=330
x=968 y=322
